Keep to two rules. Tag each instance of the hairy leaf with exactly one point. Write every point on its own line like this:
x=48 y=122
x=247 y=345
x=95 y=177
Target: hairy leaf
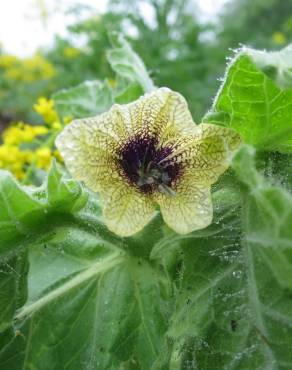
x=89 y=298
x=87 y=99
x=234 y=309
x=256 y=99
x=126 y=63
x=75 y=296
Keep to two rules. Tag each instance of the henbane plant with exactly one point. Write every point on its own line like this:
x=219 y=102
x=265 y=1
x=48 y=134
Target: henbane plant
x=146 y=152
x=215 y=295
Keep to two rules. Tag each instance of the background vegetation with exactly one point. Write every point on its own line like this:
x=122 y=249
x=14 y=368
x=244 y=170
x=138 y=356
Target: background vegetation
x=74 y=295
x=180 y=50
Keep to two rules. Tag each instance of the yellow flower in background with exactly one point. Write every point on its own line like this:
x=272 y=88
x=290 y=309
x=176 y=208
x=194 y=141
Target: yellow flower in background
x=38 y=68
x=71 y=53
x=39 y=130
x=112 y=82
x=22 y=133
x=279 y=38
x=19 y=173
x=58 y=156
x=17 y=157
x=45 y=107
x=56 y=125
x=43 y=157
x=149 y=153
x=14 y=159
x=27 y=70
x=12 y=135
x=14 y=73
x=67 y=119
x=7 y=61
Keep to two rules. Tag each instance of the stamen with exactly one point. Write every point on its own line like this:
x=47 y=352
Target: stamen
x=166 y=190
x=141 y=163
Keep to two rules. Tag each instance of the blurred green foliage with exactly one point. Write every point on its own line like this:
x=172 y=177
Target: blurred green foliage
x=265 y=24
x=179 y=50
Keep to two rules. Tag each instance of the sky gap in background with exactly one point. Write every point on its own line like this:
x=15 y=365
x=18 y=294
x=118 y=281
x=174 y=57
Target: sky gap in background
x=26 y=25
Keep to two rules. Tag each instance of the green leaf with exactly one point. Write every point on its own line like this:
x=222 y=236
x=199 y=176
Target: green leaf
x=218 y=298
x=234 y=308
x=88 y=298
x=64 y=194
x=268 y=214
x=126 y=63
x=90 y=98
x=25 y=214
x=95 y=311
x=128 y=94
x=256 y=99
x=20 y=213
x=26 y=211
x=13 y=292
x=276 y=64
x=75 y=296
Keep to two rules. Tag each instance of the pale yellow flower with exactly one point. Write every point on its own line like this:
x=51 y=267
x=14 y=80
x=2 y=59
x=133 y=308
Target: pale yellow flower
x=67 y=119
x=71 y=53
x=22 y=133
x=112 y=82
x=45 y=107
x=43 y=157
x=14 y=159
x=279 y=38
x=7 y=61
x=56 y=125
x=149 y=153
x=58 y=156
x=27 y=70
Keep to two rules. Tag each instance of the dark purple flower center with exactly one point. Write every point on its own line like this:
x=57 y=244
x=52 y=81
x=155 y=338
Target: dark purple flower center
x=145 y=165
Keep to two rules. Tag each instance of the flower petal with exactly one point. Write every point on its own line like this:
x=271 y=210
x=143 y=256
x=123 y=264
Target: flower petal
x=157 y=113
x=88 y=148
x=126 y=211
x=206 y=152
x=190 y=209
